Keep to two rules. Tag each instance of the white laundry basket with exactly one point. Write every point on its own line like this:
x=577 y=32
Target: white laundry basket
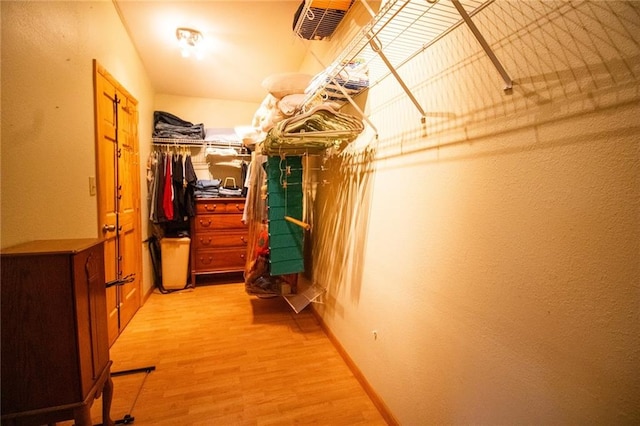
x=175 y=262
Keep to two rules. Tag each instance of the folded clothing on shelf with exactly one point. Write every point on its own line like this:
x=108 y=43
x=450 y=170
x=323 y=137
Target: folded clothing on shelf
x=167 y=125
x=351 y=76
x=207 y=188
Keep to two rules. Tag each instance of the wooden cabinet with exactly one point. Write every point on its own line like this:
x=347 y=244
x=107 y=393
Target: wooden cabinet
x=55 y=348
x=218 y=237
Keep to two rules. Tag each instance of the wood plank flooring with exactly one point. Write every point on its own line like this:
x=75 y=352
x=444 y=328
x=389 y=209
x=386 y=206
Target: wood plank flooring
x=222 y=357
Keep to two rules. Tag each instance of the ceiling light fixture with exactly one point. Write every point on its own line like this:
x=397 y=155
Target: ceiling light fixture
x=189 y=41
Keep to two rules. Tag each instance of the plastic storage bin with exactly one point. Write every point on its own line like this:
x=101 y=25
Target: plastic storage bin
x=175 y=262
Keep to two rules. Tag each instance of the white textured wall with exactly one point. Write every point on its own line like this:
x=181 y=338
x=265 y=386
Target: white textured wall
x=497 y=257
x=48 y=116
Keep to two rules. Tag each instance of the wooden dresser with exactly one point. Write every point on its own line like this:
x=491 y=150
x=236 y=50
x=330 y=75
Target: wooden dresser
x=55 y=347
x=218 y=237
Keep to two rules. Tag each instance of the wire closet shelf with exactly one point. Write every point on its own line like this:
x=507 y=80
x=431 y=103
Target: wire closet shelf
x=402 y=29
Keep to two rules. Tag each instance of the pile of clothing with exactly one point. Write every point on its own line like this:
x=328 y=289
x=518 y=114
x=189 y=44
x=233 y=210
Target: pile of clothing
x=207 y=188
x=350 y=77
x=169 y=126
x=230 y=189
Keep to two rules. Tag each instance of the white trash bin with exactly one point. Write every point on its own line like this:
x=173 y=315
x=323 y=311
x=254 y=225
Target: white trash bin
x=175 y=262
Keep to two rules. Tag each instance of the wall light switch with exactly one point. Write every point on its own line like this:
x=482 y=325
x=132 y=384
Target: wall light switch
x=92 y=185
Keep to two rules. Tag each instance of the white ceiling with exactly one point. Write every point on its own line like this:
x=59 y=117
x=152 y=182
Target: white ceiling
x=244 y=42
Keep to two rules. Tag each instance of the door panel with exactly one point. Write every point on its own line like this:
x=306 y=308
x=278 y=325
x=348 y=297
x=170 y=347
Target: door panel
x=110 y=254
x=118 y=197
x=129 y=293
x=106 y=151
x=129 y=210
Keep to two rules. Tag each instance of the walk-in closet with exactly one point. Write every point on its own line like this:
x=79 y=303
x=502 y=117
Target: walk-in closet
x=334 y=212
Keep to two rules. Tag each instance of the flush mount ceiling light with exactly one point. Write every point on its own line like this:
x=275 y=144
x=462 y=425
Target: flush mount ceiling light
x=189 y=41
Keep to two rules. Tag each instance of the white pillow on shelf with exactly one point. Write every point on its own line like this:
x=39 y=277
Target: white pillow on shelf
x=281 y=85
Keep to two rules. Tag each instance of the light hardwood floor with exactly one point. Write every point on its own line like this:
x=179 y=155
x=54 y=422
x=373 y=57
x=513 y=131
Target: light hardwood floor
x=222 y=357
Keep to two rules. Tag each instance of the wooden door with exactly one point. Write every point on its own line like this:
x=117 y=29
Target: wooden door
x=118 y=192
x=129 y=231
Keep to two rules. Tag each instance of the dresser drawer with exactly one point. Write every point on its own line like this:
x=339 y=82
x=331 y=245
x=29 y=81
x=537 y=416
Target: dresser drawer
x=219 y=206
x=205 y=240
x=218 y=236
x=204 y=223
x=215 y=260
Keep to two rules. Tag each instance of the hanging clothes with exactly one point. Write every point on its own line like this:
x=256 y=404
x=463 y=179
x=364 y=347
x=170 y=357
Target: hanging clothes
x=152 y=164
x=171 y=182
x=243 y=178
x=177 y=178
x=312 y=132
x=167 y=196
x=191 y=179
x=160 y=179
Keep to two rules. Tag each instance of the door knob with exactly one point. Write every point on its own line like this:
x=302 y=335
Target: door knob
x=108 y=228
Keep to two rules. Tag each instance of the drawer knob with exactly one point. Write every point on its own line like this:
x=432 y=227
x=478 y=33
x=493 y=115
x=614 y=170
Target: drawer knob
x=207 y=224
x=243 y=239
x=206 y=261
x=210 y=208
x=205 y=242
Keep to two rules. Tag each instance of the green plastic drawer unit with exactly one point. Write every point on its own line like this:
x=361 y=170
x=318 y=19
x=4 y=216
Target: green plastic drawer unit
x=285 y=238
